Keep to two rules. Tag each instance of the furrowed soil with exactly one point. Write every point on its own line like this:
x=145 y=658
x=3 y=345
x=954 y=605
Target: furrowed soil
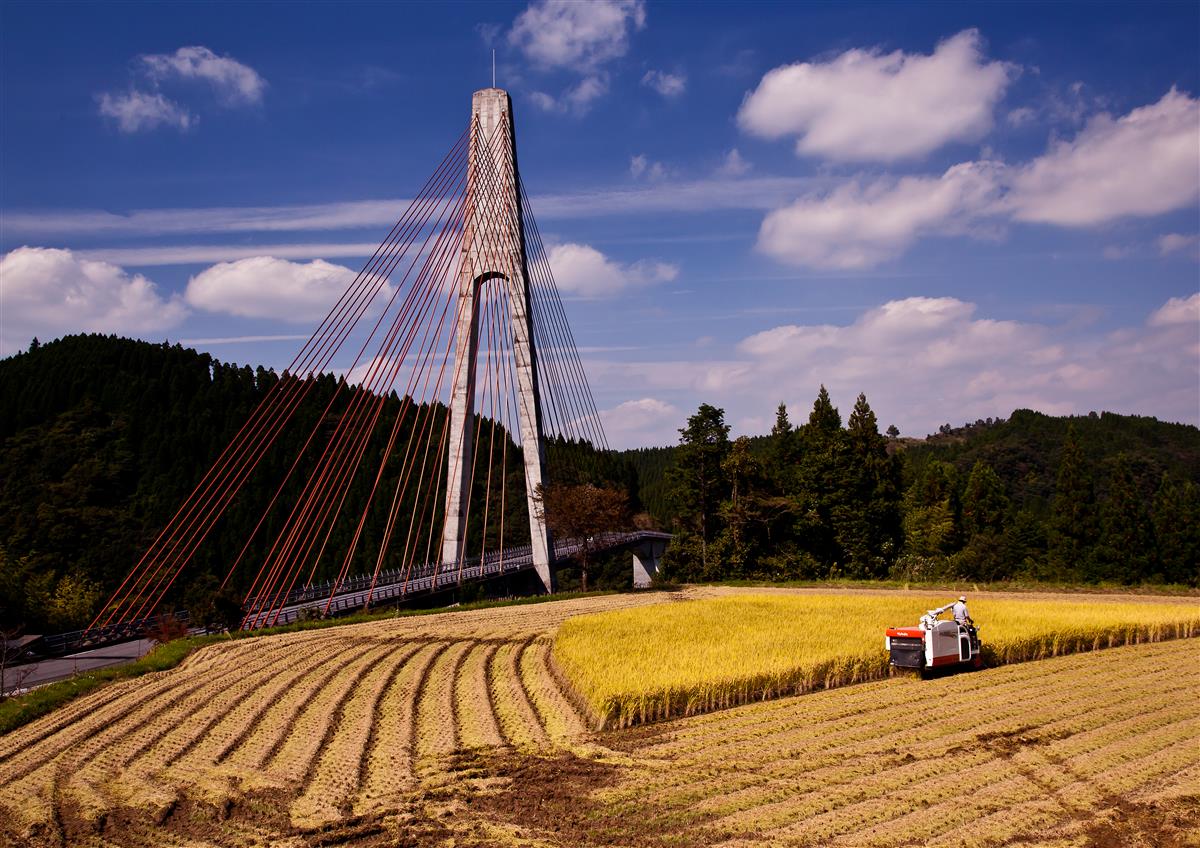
x=458 y=730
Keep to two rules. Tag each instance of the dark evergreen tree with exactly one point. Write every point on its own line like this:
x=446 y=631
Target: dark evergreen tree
x=698 y=487
x=820 y=485
x=1177 y=531
x=1073 y=521
x=867 y=515
x=1125 y=551
x=783 y=449
x=743 y=512
x=984 y=503
x=986 y=554
x=932 y=512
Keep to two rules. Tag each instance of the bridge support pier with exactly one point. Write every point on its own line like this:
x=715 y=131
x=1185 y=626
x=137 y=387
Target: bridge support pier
x=646 y=558
x=493 y=253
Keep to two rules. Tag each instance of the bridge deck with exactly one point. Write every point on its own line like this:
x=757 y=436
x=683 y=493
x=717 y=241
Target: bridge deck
x=353 y=593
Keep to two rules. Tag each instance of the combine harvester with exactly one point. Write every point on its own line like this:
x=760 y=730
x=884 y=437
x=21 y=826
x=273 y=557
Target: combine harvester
x=934 y=644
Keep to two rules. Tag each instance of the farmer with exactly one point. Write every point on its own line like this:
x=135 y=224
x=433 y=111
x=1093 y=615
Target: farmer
x=960 y=611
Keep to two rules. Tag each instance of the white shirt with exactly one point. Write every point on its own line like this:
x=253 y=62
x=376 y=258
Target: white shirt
x=960 y=611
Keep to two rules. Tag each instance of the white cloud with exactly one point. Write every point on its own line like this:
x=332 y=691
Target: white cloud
x=642 y=167
x=136 y=110
x=1178 y=310
x=963 y=367
x=859 y=225
x=572 y=35
x=269 y=287
x=1141 y=164
x=234 y=83
x=682 y=196
x=865 y=105
x=579 y=38
x=925 y=360
x=545 y=102
x=192 y=254
x=733 y=165
x=666 y=84
x=48 y=293
x=582 y=270
x=1177 y=242
x=645 y=421
x=1020 y=116
x=577 y=99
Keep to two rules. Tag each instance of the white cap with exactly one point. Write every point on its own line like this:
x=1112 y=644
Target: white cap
x=962 y=598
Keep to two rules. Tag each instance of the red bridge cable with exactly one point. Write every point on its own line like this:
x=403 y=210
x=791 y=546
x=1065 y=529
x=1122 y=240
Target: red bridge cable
x=219 y=467
x=345 y=321
x=241 y=474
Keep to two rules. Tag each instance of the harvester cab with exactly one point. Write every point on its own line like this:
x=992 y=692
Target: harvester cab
x=934 y=643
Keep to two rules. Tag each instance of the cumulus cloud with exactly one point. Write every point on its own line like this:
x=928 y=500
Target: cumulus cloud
x=1178 y=310
x=1178 y=242
x=269 y=287
x=1141 y=164
x=646 y=421
x=48 y=293
x=135 y=111
x=233 y=82
x=939 y=351
x=582 y=270
x=577 y=37
x=925 y=360
x=733 y=165
x=641 y=167
x=860 y=224
x=577 y=99
x=566 y=34
x=666 y=84
x=866 y=105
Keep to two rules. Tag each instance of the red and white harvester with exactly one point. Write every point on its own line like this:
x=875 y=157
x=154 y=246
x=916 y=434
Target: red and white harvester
x=933 y=643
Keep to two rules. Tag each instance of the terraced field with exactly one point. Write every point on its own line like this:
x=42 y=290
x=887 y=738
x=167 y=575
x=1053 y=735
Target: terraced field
x=455 y=729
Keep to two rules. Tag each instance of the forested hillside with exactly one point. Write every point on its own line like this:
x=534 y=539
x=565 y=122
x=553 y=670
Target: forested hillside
x=1072 y=499
x=102 y=438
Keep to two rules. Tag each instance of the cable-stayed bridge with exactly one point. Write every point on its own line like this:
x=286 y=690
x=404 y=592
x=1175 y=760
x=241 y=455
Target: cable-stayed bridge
x=456 y=317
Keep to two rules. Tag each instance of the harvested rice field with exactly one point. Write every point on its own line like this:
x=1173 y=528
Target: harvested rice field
x=459 y=729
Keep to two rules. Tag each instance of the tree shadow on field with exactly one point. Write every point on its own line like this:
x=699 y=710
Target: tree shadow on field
x=554 y=798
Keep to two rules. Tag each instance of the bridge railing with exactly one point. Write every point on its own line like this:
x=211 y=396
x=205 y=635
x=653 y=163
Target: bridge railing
x=59 y=644
x=352 y=594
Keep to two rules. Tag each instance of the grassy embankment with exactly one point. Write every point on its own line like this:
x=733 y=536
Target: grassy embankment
x=655 y=662
x=22 y=709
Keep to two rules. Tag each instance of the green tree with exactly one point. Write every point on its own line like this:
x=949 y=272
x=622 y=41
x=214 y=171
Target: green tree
x=698 y=483
x=73 y=603
x=744 y=513
x=984 y=502
x=1073 y=521
x=1177 y=530
x=932 y=512
x=783 y=448
x=820 y=483
x=866 y=515
x=1125 y=550
x=582 y=513
x=987 y=554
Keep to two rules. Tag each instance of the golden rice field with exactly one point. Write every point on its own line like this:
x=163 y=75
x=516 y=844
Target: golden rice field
x=649 y=663
x=458 y=730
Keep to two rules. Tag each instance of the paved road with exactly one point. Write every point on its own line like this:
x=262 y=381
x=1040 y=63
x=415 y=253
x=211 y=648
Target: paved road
x=60 y=668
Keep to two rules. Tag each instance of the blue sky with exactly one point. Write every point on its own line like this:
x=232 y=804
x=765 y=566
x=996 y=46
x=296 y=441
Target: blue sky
x=958 y=209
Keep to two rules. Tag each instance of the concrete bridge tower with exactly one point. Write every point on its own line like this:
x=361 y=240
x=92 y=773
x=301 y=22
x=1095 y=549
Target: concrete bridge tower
x=493 y=253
